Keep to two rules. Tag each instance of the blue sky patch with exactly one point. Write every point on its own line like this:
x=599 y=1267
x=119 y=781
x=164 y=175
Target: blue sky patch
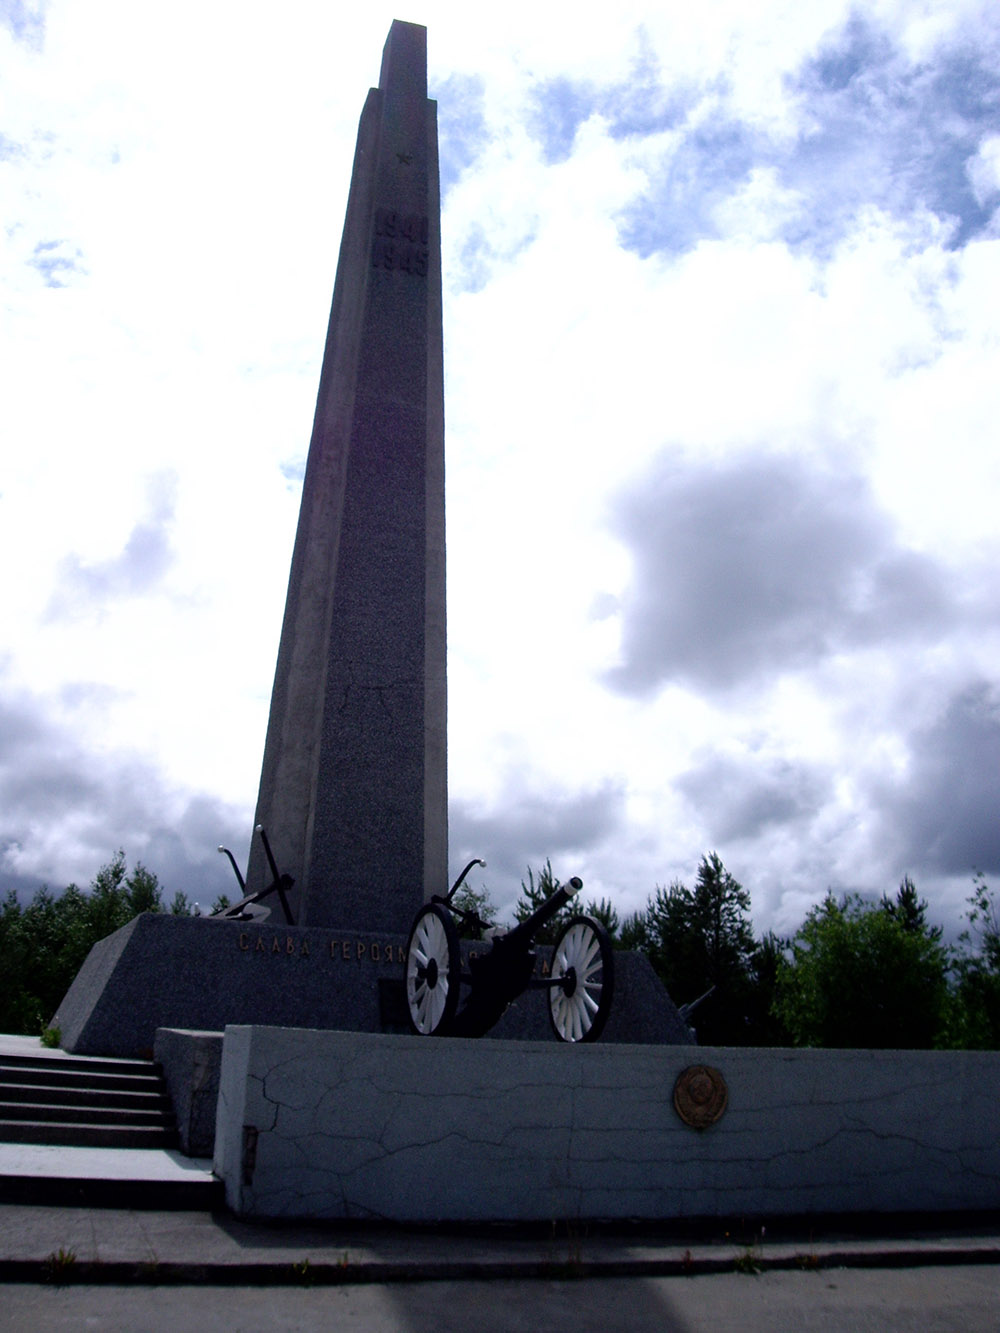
x=9 y=149
x=641 y=105
x=54 y=260
x=25 y=21
x=895 y=134
x=462 y=132
x=877 y=130
x=559 y=108
x=855 y=48
x=706 y=167
x=293 y=470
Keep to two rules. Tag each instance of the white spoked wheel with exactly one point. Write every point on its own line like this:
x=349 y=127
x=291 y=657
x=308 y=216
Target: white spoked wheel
x=433 y=971
x=583 y=961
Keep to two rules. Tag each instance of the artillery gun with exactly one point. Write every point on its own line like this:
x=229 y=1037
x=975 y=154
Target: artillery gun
x=579 y=982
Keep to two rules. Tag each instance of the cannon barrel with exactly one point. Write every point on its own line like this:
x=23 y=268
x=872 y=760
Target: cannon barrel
x=524 y=931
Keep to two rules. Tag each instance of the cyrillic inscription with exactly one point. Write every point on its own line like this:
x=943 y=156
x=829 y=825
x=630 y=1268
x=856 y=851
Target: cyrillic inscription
x=346 y=951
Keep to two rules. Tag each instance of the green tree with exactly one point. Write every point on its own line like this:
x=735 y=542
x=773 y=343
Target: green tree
x=603 y=910
x=701 y=940
x=765 y=1026
x=534 y=892
x=144 y=893
x=983 y=914
x=865 y=974
x=44 y=944
x=975 y=1023
x=538 y=889
x=635 y=932
x=478 y=907
x=19 y=1008
x=909 y=911
x=107 y=904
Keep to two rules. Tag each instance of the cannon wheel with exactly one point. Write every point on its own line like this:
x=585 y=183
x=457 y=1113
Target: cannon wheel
x=583 y=958
x=433 y=971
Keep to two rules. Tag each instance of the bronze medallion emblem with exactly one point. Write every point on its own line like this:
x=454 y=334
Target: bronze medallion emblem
x=700 y=1096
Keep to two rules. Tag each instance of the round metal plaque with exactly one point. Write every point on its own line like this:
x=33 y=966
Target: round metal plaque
x=700 y=1096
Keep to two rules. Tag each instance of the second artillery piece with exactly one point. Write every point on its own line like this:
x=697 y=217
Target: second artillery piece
x=580 y=980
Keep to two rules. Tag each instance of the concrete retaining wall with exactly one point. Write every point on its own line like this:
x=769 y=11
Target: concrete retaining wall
x=192 y=1063
x=339 y=1125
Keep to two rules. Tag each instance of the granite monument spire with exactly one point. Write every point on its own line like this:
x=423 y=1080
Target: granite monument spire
x=353 y=789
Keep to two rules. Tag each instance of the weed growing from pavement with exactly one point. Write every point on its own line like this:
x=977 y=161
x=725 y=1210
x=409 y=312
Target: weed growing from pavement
x=59 y=1263
x=747 y=1261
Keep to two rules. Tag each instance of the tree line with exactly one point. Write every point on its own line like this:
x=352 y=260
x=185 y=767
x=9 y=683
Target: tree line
x=857 y=972
x=43 y=945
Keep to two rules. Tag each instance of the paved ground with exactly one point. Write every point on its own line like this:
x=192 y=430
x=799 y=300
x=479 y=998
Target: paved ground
x=65 y=1267
x=924 y=1300
x=152 y=1246
x=48 y=1161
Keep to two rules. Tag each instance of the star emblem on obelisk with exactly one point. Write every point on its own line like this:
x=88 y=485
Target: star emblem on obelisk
x=405 y=158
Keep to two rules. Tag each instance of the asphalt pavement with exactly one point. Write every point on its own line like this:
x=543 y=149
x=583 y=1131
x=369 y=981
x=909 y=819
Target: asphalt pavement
x=71 y=1245
x=109 y=1268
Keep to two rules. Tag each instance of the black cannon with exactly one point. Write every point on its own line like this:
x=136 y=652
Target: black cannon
x=580 y=981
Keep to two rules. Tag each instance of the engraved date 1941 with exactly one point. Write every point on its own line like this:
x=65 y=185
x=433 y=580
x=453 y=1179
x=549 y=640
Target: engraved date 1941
x=401 y=242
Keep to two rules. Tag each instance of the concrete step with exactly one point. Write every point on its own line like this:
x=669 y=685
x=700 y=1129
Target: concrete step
x=91 y=1064
x=58 y=1095
x=53 y=1074
x=74 y=1164
x=86 y=1115
x=206 y=1196
x=74 y=1177
x=64 y=1100
x=72 y=1133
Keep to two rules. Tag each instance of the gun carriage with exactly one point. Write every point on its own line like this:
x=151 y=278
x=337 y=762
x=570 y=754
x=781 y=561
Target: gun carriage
x=579 y=983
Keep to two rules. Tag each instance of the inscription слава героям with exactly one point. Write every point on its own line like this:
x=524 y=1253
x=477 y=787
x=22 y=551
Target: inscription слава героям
x=343 y=950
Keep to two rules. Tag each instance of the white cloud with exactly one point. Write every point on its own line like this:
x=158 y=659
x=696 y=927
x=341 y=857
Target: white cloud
x=984 y=170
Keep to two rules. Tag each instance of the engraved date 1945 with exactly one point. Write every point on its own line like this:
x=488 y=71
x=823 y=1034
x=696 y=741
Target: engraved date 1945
x=400 y=242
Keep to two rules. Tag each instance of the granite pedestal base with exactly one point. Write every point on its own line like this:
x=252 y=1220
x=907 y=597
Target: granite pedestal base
x=163 y=971
x=340 y=1125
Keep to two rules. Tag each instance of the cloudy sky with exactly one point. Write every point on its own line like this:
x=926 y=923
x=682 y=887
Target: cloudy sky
x=721 y=335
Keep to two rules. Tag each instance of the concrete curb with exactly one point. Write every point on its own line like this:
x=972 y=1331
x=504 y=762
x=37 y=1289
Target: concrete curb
x=345 y=1272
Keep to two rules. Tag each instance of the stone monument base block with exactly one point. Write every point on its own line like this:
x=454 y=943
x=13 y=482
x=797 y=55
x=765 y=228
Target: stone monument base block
x=162 y=971
x=409 y=1129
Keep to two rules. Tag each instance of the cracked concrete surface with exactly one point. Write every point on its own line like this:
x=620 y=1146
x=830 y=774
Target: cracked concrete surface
x=417 y=1129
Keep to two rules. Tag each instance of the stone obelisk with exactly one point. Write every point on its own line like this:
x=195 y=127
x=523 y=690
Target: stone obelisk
x=353 y=790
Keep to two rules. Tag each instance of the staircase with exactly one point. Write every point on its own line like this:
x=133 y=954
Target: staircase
x=69 y=1127
x=84 y=1102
